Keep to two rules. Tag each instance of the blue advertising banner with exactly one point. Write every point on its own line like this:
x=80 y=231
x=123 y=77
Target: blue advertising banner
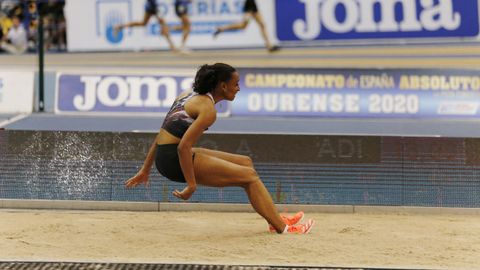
x=358 y=93
x=314 y=20
x=121 y=93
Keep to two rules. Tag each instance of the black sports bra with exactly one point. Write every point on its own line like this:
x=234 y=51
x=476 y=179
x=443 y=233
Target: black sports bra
x=177 y=120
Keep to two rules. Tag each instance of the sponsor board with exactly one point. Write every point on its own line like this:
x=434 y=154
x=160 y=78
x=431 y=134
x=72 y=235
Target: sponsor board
x=317 y=20
x=16 y=92
x=358 y=93
x=402 y=93
x=313 y=149
x=120 y=94
x=292 y=21
x=205 y=16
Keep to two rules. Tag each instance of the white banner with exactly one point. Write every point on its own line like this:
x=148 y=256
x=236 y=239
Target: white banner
x=16 y=92
x=95 y=32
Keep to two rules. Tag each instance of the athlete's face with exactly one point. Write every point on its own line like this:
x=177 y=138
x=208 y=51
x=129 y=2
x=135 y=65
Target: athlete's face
x=231 y=88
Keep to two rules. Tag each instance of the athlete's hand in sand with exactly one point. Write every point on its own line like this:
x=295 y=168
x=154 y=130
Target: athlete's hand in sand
x=139 y=178
x=185 y=194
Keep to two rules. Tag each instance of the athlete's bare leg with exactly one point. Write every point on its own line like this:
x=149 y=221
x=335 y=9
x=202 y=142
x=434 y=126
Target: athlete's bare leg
x=166 y=32
x=144 y=22
x=236 y=26
x=234 y=158
x=259 y=19
x=185 y=27
x=216 y=172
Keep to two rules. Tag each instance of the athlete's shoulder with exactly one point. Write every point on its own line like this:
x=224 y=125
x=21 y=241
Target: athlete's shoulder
x=203 y=100
x=184 y=94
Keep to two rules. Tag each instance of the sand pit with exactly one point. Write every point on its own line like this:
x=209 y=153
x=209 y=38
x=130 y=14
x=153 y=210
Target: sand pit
x=355 y=240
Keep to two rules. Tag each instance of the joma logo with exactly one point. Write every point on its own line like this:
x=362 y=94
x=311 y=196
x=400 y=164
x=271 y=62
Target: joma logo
x=360 y=16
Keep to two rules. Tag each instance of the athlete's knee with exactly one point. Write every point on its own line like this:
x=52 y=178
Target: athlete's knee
x=137 y=24
x=251 y=175
x=247 y=161
x=165 y=31
x=144 y=21
x=186 y=23
x=244 y=24
x=252 y=181
x=261 y=24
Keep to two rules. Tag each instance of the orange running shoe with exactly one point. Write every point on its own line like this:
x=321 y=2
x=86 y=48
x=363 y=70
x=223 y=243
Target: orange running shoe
x=298 y=217
x=292 y=220
x=301 y=228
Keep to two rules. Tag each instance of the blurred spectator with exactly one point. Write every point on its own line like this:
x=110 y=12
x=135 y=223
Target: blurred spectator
x=5 y=24
x=11 y=10
x=10 y=7
x=53 y=23
x=55 y=26
x=16 y=39
x=7 y=8
x=27 y=11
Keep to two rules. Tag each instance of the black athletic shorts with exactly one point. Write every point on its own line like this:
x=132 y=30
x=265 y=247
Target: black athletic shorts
x=181 y=8
x=168 y=164
x=151 y=7
x=250 y=6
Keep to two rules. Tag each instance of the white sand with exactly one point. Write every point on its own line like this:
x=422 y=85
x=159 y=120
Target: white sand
x=356 y=240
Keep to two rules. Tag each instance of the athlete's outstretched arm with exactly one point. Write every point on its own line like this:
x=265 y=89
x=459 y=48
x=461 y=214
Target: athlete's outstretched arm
x=144 y=172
